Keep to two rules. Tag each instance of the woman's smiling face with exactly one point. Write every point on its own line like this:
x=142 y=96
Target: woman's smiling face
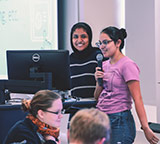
x=80 y=39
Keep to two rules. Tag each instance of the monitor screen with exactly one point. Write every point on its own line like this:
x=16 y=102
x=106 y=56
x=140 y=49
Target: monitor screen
x=21 y=63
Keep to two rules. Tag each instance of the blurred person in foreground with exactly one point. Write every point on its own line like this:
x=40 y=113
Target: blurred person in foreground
x=89 y=126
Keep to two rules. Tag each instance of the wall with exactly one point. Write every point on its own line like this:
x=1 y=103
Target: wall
x=143 y=47
x=100 y=14
x=140 y=45
x=157 y=54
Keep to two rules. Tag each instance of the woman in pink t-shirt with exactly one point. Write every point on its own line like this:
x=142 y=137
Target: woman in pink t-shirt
x=120 y=85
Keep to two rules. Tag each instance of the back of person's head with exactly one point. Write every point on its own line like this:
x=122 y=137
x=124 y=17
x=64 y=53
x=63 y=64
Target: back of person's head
x=42 y=100
x=88 y=126
x=86 y=28
x=115 y=34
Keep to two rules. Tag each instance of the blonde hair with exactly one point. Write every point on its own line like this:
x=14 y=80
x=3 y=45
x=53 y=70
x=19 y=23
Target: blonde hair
x=88 y=126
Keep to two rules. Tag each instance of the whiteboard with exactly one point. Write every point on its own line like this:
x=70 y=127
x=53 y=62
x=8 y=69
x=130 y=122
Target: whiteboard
x=27 y=24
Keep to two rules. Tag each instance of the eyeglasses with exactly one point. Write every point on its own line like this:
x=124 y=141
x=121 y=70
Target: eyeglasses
x=57 y=113
x=105 y=42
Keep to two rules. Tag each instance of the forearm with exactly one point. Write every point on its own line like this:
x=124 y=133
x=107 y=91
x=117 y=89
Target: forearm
x=134 y=88
x=97 y=91
x=141 y=113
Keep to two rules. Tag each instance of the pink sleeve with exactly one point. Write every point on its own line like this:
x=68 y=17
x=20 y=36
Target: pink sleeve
x=130 y=71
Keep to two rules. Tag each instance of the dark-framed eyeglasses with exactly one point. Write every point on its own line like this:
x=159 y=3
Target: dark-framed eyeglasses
x=105 y=42
x=57 y=113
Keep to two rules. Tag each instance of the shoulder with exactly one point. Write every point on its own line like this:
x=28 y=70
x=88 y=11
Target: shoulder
x=127 y=62
x=130 y=70
x=93 y=50
x=25 y=124
x=19 y=126
x=129 y=67
x=72 y=55
x=96 y=50
x=22 y=131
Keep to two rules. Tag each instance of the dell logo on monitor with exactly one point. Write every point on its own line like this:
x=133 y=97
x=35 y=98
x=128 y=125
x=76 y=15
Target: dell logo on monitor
x=35 y=57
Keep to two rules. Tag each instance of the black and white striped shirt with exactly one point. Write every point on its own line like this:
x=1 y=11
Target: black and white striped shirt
x=82 y=74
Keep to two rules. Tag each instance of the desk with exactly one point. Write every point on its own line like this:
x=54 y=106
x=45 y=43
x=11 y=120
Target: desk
x=73 y=106
x=10 y=114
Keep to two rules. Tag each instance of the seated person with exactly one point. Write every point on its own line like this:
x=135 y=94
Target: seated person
x=42 y=123
x=89 y=126
x=82 y=61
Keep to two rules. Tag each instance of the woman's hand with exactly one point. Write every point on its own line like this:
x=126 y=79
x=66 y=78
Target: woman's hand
x=98 y=73
x=150 y=136
x=98 y=89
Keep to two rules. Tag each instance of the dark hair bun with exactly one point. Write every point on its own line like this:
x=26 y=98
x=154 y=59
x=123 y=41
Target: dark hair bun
x=123 y=33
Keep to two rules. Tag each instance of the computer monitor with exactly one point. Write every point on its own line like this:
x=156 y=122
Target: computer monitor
x=22 y=63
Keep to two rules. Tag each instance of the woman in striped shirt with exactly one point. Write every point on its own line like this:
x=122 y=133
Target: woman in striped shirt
x=82 y=61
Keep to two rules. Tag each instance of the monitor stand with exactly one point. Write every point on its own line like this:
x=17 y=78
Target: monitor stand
x=24 y=86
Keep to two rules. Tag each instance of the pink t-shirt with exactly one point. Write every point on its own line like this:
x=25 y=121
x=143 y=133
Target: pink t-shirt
x=115 y=96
